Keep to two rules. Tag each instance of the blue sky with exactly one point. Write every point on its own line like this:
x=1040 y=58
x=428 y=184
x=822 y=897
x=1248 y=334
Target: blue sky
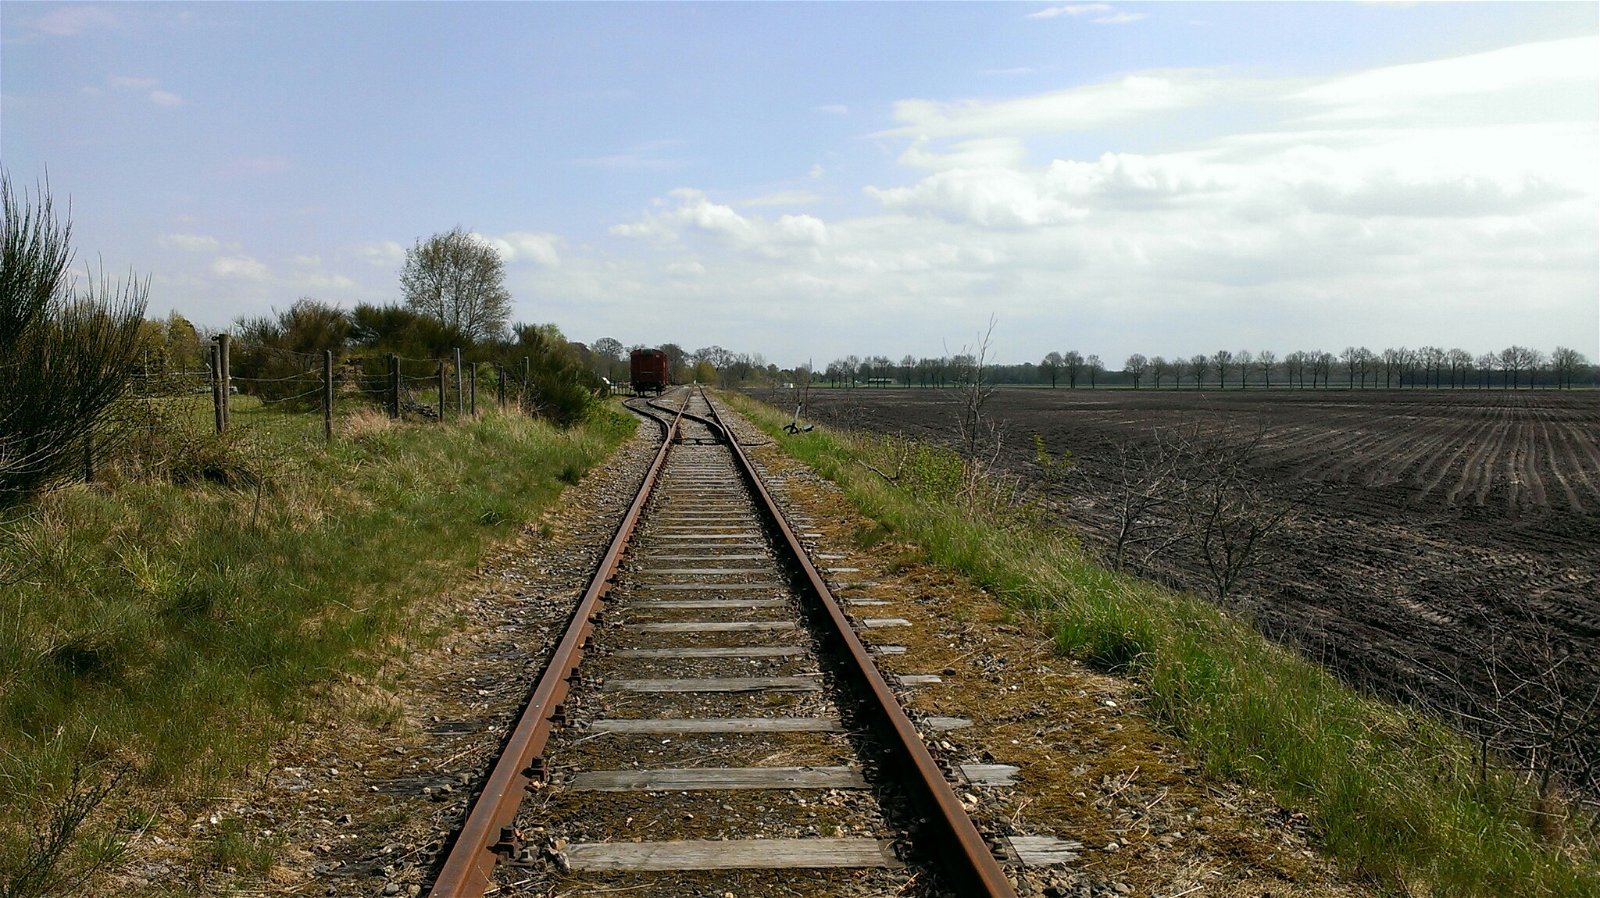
x=809 y=180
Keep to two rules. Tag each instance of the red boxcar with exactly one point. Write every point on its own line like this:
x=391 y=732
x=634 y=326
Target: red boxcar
x=649 y=370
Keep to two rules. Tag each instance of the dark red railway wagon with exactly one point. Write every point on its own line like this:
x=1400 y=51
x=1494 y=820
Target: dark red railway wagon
x=649 y=370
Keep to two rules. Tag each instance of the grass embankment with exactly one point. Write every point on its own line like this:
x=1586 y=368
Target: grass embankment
x=172 y=621
x=1394 y=794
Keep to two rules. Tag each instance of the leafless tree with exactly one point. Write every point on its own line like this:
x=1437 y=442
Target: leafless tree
x=1095 y=368
x=1135 y=367
x=1160 y=368
x=978 y=434
x=1223 y=361
x=1566 y=363
x=1460 y=365
x=1050 y=366
x=1072 y=362
x=1198 y=366
x=1266 y=360
x=1535 y=706
x=1246 y=360
x=1185 y=491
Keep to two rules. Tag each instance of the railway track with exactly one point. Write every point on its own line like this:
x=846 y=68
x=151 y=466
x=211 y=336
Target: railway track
x=710 y=724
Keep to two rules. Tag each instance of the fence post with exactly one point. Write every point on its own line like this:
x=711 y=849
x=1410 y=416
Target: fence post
x=441 y=391
x=474 y=389
x=500 y=384
x=223 y=341
x=327 y=394
x=459 y=405
x=215 y=363
x=527 y=380
x=394 y=385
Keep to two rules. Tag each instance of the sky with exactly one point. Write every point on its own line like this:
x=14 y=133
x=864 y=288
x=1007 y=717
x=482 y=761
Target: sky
x=809 y=180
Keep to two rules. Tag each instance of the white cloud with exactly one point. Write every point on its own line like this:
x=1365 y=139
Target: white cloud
x=1071 y=9
x=382 y=253
x=194 y=243
x=693 y=215
x=165 y=98
x=816 y=171
x=68 y=21
x=647 y=156
x=127 y=82
x=516 y=246
x=1282 y=213
x=784 y=198
x=1550 y=74
x=1126 y=99
x=1121 y=18
x=240 y=267
x=835 y=109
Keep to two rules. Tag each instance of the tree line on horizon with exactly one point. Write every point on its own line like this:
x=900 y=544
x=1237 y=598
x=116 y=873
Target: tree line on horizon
x=1356 y=367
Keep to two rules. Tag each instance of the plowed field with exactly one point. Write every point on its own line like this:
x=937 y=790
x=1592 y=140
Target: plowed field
x=1444 y=521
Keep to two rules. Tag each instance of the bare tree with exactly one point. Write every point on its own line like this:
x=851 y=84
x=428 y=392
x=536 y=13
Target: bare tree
x=1050 y=365
x=1135 y=367
x=979 y=436
x=1351 y=356
x=1533 y=705
x=1246 y=359
x=1223 y=361
x=1198 y=366
x=1072 y=362
x=1566 y=363
x=1266 y=360
x=1095 y=367
x=1460 y=364
x=1185 y=491
x=460 y=282
x=1512 y=360
x=1160 y=368
x=1230 y=516
x=1321 y=365
x=1486 y=363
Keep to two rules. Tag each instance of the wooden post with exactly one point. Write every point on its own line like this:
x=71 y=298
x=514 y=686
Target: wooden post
x=441 y=391
x=500 y=384
x=227 y=378
x=394 y=385
x=459 y=398
x=474 y=389
x=216 y=386
x=527 y=378
x=327 y=394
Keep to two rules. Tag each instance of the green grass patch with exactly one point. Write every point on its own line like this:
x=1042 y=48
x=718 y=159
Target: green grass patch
x=1394 y=794
x=169 y=621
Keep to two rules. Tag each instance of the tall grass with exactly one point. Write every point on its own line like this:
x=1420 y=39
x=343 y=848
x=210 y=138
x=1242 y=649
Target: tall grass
x=1394 y=794
x=169 y=622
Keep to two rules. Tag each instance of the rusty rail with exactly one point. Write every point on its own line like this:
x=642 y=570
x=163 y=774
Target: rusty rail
x=968 y=860
x=488 y=832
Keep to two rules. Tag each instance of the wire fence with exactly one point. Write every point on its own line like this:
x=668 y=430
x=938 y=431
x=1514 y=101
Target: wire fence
x=263 y=400
x=239 y=374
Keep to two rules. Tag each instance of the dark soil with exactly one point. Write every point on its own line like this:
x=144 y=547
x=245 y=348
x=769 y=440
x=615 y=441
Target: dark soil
x=1444 y=528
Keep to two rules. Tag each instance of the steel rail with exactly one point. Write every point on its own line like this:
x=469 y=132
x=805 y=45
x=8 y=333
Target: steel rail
x=969 y=860
x=488 y=833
